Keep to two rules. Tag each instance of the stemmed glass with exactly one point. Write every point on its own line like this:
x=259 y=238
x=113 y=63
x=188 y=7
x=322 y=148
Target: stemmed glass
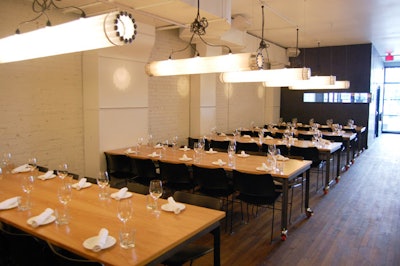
x=103 y=183
x=27 y=183
x=33 y=163
x=62 y=171
x=64 y=195
x=156 y=190
x=175 y=142
x=125 y=210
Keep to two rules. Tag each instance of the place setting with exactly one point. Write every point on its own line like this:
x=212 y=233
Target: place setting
x=46 y=176
x=185 y=158
x=82 y=183
x=100 y=242
x=46 y=217
x=9 y=203
x=123 y=193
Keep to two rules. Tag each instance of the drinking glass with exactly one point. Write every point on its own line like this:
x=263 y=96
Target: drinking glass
x=125 y=210
x=64 y=195
x=33 y=163
x=156 y=190
x=62 y=171
x=197 y=152
x=175 y=142
x=27 y=183
x=103 y=183
x=272 y=149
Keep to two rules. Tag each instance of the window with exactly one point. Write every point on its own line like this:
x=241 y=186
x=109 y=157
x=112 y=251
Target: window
x=391 y=100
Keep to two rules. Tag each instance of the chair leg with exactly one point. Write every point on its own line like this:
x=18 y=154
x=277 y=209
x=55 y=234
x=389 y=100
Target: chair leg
x=273 y=220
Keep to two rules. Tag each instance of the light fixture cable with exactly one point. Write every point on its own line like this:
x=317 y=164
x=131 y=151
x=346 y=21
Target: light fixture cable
x=41 y=7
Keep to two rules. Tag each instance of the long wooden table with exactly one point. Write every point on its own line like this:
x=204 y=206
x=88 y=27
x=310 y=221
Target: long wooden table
x=157 y=237
x=326 y=152
x=291 y=170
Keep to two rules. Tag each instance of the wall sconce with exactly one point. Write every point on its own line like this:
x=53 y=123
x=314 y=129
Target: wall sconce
x=116 y=28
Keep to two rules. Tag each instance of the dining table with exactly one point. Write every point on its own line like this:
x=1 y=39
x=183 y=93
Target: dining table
x=159 y=234
x=327 y=151
x=291 y=168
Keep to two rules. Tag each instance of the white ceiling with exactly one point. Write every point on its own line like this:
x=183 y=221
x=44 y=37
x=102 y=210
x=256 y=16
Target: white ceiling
x=329 y=22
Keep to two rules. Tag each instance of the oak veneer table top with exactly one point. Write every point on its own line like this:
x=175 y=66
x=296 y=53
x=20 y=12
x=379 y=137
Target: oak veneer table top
x=292 y=168
x=155 y=236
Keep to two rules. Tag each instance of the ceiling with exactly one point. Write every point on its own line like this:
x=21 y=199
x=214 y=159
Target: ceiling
x=328 y=22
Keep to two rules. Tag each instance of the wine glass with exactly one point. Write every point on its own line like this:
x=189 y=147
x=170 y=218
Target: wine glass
x=125 y=210
x=64 y=195
x=156 y=190
x=103 y=183
x=175 y=142
x=33 y=163
x=272 y=149
x=62 y=171
x=27 y=183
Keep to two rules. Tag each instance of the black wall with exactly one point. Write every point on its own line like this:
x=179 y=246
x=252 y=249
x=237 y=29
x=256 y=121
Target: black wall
x=351 y=63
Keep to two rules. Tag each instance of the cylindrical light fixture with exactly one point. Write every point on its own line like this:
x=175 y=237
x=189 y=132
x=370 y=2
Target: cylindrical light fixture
x=276 y=77
x=199 y=65
x=313 y=83
x=116 y=28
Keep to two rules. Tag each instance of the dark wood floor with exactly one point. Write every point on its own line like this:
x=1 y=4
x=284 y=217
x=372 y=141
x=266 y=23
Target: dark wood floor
x=356 y=223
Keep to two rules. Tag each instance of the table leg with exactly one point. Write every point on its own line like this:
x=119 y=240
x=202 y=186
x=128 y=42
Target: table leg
x=284 y=217
x=309 y=212
x=327 y=173
x=217 y=245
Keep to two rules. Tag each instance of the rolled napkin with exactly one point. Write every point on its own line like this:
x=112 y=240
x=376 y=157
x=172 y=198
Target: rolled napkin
x=81 y=183
x=20 y=169
x=121 y=193
x=6 y=204
x=101 y=240
x=174 y=205
x=47 y=175
x=41 y=218
x=264 y=167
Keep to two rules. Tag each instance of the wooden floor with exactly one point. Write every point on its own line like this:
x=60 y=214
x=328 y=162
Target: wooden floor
x=356 y=223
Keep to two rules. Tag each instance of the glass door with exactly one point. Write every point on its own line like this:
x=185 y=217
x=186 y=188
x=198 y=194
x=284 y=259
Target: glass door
x=391 y=101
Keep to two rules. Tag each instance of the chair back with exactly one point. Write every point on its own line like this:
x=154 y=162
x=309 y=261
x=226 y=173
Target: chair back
x=247 y=146
x=176 y=173
x=333 y=138
x=138 y=188
x=120 y=166
x=146 y=170
x=210 y=178
x=198 y=200
x=308 y=153
x=191 y=142
x=219 y=145
x=304 y=136
x=284 y=150
x=256 y=185
x=249 y=133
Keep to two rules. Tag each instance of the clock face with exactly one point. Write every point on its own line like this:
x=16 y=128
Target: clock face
x=125 y=27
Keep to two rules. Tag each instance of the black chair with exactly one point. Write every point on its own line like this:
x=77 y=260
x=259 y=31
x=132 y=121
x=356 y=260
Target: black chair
x=283 y=149
x=250 y=133
x=176 y=176
x=138 y=188
x=256 y=189
x=301 y=136
x=120 y=169
x=191 y=142
x=247 y=146
x=193 y=251
x=311 y=154
x=219 y=145
x=146 y=171
x=215 y=182
x=42 y=169
x=278 y=135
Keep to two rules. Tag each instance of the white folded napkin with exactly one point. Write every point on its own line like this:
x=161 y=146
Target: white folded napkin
x=130 y=151
x=101 y=240
x=269 y=137
x=185 y=158
x=121 y=193
x=172 y=203
x=154 y=154
x=243 y=153
x=219 y=162
x=46 y=175
x=41 y=218
x=246 y=136
x=8 y=202
x=280 y=157
x=21 y=169
x=81 y=183
x=211 y=150
x=264 y=167
x=158 y=146
x=222 y=134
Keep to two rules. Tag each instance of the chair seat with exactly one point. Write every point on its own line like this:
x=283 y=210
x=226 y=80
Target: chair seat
x=189 y=253
x=258 y=200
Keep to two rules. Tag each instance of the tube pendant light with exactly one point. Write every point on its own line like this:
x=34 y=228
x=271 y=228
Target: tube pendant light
x=113 y=29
